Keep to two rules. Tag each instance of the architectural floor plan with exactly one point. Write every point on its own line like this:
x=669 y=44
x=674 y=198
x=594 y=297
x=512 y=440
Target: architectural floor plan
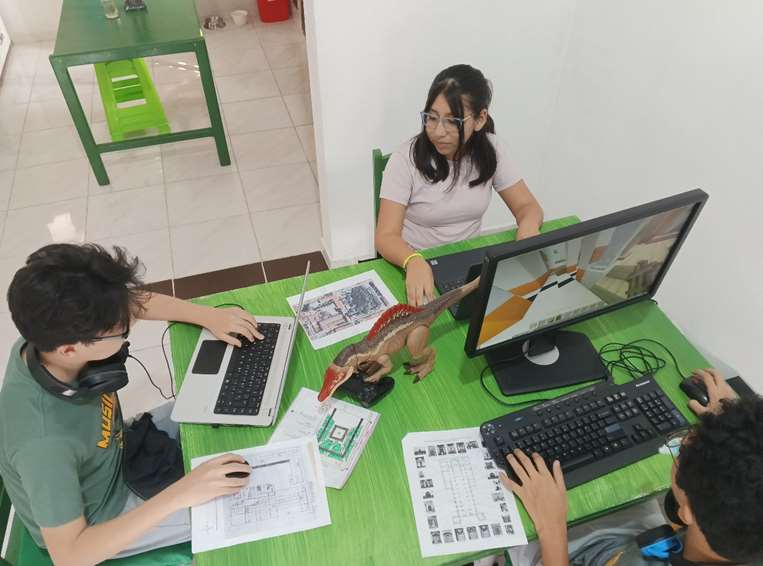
x=286 y=494
x=343 y=309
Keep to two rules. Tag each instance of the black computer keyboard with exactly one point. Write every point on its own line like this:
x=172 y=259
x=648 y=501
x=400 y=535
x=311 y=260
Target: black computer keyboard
x=592 y=431
x=247 y=374
x=450 y=285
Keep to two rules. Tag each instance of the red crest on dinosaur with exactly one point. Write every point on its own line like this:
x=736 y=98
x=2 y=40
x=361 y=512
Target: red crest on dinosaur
x=392 y=313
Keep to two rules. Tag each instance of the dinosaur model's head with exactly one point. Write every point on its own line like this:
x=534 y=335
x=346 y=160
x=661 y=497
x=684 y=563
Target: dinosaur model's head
x=340 y=370
x=334 y=377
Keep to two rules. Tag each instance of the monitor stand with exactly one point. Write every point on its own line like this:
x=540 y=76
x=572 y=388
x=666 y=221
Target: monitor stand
x=547 y=361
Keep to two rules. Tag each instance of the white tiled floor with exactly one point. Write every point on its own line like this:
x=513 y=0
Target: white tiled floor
x=166 y=203
x=172 y=205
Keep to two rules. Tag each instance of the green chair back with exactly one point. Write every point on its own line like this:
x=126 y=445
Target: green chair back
x=380 y=162
x=5 y=513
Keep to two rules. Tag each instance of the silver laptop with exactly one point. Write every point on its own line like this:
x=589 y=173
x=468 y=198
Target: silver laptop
x=239 y=386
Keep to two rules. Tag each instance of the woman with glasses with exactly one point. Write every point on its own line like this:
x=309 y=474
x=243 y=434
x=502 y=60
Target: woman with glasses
x=437 y=186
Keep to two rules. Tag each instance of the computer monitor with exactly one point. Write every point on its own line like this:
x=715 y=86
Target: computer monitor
x=537 y=286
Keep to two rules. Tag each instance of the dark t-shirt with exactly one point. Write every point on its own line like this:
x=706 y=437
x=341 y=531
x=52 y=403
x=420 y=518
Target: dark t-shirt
x=59 y=459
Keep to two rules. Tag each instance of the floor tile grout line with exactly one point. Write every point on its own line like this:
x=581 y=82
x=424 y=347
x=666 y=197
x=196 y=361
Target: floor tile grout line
x=250 y=215
x=169 y=228
x=46 y=203
x=227 y=217
x=237 y=170
x=278 y=86
x=18 y=156
x=205 y=176
x=128 y=234
x=49 y=162
x=291 y=122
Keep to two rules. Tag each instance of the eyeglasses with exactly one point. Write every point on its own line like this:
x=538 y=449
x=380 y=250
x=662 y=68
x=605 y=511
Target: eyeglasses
x=449 y=124
x=675 y=440
x=124 y=335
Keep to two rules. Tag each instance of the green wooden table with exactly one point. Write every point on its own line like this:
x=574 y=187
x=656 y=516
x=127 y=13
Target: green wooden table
x=86 y=36
x=372 y=517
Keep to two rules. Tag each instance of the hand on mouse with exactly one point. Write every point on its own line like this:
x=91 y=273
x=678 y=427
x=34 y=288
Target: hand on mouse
x=419 y=282
x=208 y=481
x=717 y=391
x=229 y=323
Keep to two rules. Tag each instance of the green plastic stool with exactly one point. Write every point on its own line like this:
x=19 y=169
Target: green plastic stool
x=129 y=98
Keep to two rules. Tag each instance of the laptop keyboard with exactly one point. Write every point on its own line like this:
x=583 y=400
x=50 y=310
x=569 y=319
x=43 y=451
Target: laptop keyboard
x=247 y=374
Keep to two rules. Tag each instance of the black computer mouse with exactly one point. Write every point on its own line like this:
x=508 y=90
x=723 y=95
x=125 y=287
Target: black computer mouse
x=238 y=475
x=695 y=389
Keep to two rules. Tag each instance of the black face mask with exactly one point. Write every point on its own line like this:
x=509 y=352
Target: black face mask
x=671 y=509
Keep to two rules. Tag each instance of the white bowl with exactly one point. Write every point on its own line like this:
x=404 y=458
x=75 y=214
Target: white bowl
x=239 y=17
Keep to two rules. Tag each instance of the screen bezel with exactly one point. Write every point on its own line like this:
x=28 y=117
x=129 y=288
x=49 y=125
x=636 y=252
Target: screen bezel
x=695 y=198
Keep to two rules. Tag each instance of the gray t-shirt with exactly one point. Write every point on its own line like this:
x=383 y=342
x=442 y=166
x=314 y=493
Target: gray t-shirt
x=435 y=215
x=59 y=459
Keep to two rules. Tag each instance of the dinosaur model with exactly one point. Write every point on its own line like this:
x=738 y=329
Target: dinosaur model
x=398 y=326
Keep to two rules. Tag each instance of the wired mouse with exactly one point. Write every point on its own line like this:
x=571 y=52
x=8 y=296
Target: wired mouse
x=695 y=388
x=238 y=475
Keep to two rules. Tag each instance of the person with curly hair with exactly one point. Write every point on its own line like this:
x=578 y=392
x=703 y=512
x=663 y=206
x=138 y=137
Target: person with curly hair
x=715 y=502
x=62 y=443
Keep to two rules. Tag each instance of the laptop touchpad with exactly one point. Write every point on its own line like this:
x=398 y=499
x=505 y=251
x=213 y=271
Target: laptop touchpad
x=210 y=357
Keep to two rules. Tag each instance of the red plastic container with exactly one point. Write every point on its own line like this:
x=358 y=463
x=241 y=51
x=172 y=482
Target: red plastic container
x=273 y=10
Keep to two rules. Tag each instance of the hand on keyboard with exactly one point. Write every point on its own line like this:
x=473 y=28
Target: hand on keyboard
x=228 y=323
x=419 y=282
x=542 y=492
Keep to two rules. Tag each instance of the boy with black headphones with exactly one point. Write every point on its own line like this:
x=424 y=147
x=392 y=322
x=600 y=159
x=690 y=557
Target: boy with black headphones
x=61 y=432
x=715 y=506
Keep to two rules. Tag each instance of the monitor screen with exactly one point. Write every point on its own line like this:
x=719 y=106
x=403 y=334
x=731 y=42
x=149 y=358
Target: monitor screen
x=578 y=277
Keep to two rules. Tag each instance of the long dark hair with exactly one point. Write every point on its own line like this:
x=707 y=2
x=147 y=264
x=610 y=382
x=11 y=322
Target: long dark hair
x=456 y=84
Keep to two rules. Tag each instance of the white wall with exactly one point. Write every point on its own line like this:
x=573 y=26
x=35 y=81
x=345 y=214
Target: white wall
x=660 y=97
x=371 y=64
x=605 y=104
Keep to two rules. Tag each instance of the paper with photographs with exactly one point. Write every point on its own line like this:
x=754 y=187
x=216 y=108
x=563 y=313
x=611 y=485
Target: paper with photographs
x=459 y=503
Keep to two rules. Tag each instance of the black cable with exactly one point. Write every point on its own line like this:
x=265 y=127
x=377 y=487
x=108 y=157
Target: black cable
x=636 y=360
x=164 y=352
x=229 y=305
x=159 y=389
x=166 y=359
x=629 y=357
x=490 y=393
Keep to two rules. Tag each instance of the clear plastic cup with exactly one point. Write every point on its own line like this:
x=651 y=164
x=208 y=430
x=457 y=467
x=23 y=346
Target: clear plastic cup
x=110 y=9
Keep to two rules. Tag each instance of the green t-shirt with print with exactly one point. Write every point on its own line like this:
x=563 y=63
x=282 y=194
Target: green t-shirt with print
x=59 y=458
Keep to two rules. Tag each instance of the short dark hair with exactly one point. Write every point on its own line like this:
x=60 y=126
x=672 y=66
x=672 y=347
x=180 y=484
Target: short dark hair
x=720 y=467
x=69 y=293
x=456 y=83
